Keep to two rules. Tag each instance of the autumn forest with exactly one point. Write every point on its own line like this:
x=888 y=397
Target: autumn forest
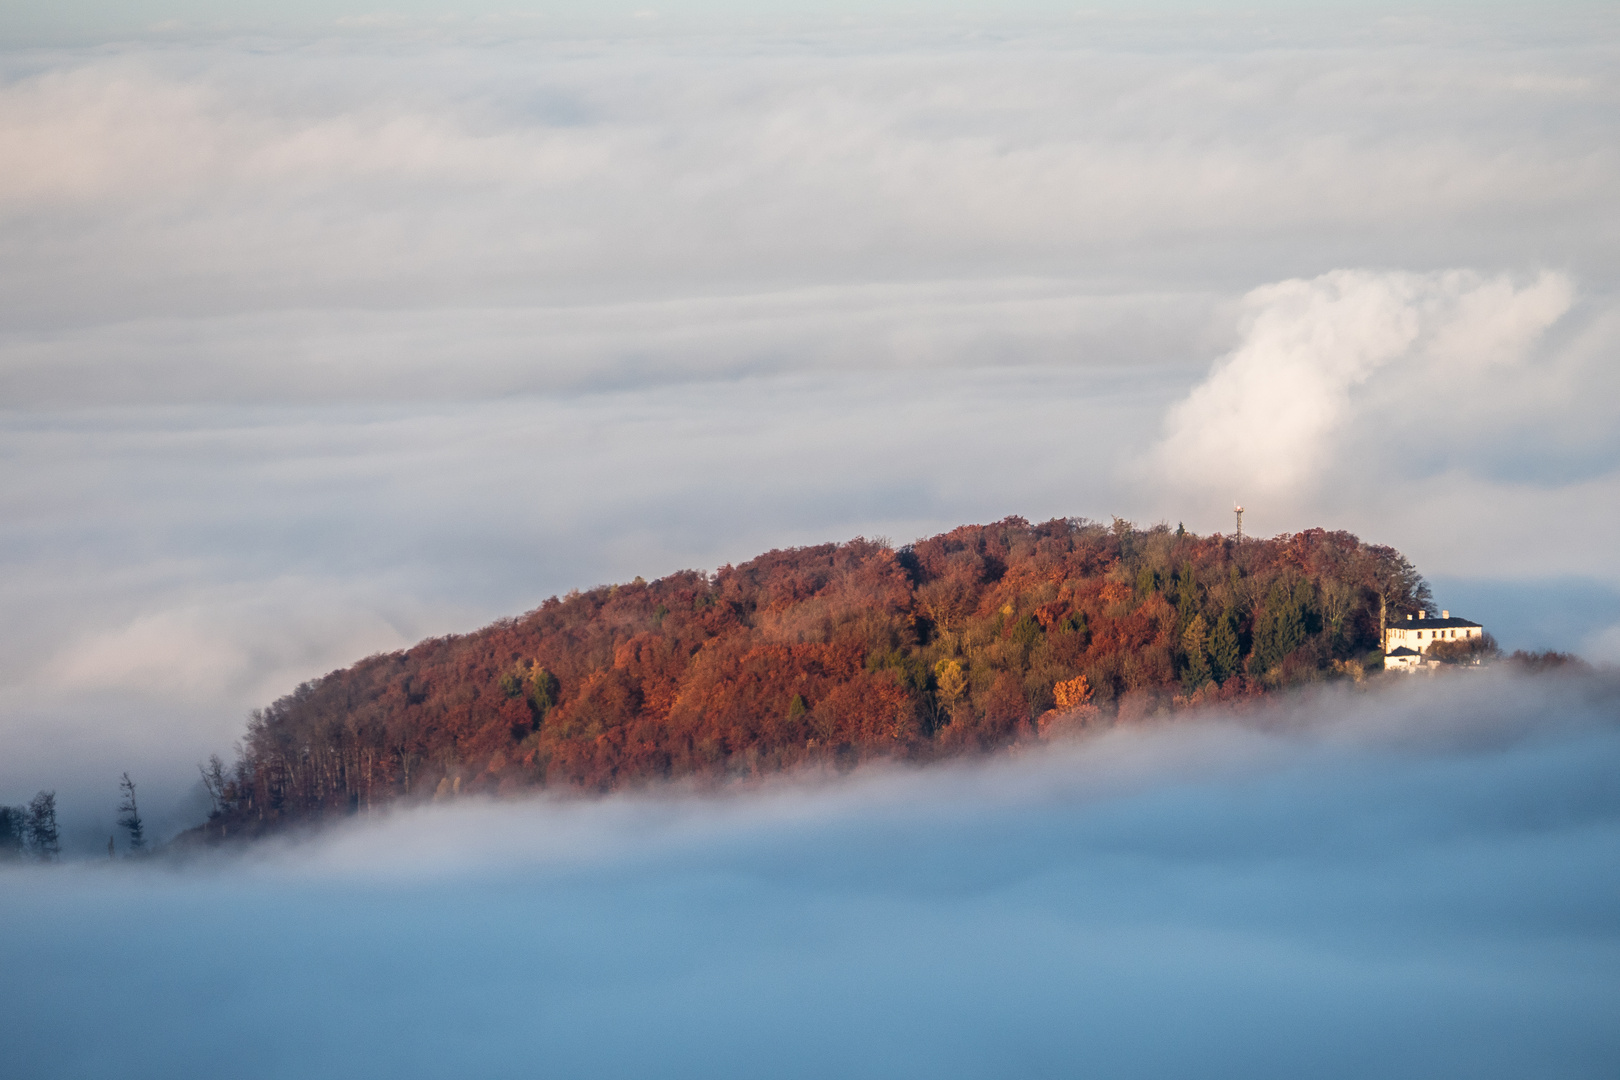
x=831 y=654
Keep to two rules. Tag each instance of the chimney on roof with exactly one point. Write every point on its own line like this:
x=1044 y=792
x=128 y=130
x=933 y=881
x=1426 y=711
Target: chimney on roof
x=1409 y=618
x=1445 y=614
x=1422 y=614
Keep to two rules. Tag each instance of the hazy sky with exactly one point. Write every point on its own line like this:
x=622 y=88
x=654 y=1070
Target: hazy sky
x=1423 y=888
x=321 y=336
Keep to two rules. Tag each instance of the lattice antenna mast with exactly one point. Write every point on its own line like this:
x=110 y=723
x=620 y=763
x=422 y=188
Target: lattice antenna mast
x=1238 y=510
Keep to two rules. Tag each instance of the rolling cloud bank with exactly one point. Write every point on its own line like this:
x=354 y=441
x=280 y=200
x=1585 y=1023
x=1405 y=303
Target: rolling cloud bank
x=322 y=339
x=1415 y=882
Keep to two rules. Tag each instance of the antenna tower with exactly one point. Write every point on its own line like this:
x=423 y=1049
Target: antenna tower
x=1238 y=510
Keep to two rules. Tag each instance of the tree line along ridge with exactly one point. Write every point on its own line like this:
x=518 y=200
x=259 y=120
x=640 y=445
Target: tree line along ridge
x=834 y=653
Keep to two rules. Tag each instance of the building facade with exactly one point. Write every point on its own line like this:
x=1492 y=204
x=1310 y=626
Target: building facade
x=1406 y=642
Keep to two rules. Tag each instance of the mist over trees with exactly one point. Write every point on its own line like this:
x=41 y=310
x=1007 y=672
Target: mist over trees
x=30 y=831
x=129 y=816
x=13 y=832
x=833 y=654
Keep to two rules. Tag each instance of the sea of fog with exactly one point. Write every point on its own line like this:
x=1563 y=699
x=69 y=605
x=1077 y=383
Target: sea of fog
x=1417 y=882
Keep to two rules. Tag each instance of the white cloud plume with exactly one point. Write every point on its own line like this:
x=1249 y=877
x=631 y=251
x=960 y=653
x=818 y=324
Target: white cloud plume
x=1272 y=415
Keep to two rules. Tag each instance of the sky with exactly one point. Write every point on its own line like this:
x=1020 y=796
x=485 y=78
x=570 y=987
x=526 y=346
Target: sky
x=323 y=335
x=1412 y=883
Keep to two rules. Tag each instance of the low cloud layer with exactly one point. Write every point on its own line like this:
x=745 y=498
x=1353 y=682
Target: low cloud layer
x=1410 y=884
x=316 y=344
x=1321 y=360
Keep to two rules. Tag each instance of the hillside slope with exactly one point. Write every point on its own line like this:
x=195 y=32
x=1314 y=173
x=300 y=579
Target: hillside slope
x=838 y=652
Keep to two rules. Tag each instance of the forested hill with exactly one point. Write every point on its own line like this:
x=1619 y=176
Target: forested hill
x=834 y=653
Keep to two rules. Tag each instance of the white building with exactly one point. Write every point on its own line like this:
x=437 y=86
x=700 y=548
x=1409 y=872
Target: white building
x=1403 y=659
x=1406 y=642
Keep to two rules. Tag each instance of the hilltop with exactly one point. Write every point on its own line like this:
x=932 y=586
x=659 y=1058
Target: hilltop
x=834 y=653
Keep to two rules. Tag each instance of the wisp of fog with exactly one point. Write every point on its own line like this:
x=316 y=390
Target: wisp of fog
x=1415 y=882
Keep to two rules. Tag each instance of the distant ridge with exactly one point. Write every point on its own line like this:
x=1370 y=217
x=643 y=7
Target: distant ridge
x=834 y=653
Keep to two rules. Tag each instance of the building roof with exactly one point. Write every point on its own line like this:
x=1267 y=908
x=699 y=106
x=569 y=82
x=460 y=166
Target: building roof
x=1430 y=624
x=1402 y=651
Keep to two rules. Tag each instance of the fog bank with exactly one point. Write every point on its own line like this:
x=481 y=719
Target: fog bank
x=1419 y=883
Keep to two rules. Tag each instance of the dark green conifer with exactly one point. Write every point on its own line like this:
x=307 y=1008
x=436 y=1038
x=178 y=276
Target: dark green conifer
x=43 y=838
x=1225 y=653
x=13 y=831
x=130 y=816
x=1196 y=672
